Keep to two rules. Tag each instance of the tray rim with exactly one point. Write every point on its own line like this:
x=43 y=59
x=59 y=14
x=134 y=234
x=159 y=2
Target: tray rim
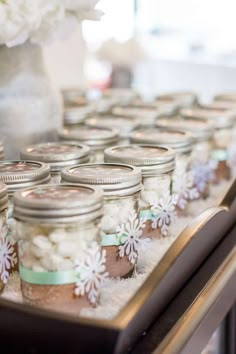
x=128 y=312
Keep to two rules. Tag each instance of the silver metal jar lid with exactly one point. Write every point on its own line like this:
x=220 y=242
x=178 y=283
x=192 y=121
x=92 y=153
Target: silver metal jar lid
x=219 y=105
x=201 y=129
x=230 y=96
x=77 y=114
x=183 y=99
x=123 y=124
x=94 y=137
x=220 y=119
x=21 y=174
x=163 y=108
x=3 y=197
x=152 y=159
x=115 y=179
x=58 y=203
x=58 y=155
x=72 y=94
x=145 y=112
x=180 y=141
x=122 y=95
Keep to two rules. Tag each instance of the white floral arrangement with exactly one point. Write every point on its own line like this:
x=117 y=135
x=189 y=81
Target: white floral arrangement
x=42 y=21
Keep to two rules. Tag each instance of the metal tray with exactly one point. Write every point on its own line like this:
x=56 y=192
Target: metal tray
x=51 y=330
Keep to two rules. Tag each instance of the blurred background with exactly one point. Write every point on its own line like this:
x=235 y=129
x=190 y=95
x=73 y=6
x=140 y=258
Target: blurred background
x=153 y=46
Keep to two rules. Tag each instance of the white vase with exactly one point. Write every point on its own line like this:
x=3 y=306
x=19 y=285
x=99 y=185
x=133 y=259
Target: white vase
x=30 y=107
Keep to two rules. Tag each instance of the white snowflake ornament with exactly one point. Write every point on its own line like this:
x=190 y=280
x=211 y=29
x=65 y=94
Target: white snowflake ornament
x=92 y=273
x=129 y=234
x=164 y=212
x=203 y=173
x=183 y=186
x=7 y=254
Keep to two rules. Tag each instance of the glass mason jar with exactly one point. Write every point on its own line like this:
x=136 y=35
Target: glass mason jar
x=123 y=124
x=1 y=151
x=77 y=113
x=121 y=185
x=182 y=143
x=7 y=253
x=58 y=155
x=60 y=262
x=223 y=122
x=202 y=131
x=97 y=138
x=21 y=174
x=121 y=95
x=164 y=108
x=73 y=95
x=144 y=114
x=182 y=99
x=157 y=208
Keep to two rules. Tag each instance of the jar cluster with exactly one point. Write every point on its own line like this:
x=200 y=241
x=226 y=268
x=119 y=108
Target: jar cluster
x=76 y=211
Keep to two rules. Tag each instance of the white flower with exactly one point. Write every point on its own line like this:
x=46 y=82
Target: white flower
x=203 y=173
x=130 y=234
x=184 y=188
x=42 y=20
x=7 y=255
x=164 y=212
x=91 y=272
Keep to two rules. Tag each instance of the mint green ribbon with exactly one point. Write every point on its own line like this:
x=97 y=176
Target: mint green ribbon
x=111 y=240
x=48 y=278
x=146 y=214
x=219 y=155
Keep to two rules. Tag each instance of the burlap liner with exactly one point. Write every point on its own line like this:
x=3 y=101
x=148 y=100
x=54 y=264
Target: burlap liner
x=149 y=232
x=116 y=266
x=222 y=172
x=55 y=297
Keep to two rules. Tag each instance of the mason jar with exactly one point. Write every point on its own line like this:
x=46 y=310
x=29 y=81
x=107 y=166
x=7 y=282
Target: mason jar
x=157 y=206
x=73 y=95
x=227 y=97
x=60 y=262
x=182 y=99
x=120 y=95
x=164 y=108
x=121 y=185
x=123 y=124
x=21 y=174
x=7 y=252
x=97 y=138
x=144 y=114
x=180 y=141
x=76 y=114
x=223 y=122
x=1 y=150
x=58 y=155
x=202 y=131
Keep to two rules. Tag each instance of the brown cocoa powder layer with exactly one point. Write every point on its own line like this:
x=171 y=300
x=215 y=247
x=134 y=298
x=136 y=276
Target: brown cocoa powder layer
x=149 y=232
x=54 y=297
x=116 y=266
x=222 y=172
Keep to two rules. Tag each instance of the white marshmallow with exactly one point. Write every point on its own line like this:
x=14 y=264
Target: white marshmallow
x=42 y=242
x=57 y=236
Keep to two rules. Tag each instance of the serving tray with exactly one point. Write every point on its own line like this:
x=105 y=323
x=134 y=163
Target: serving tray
x=51 y=330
